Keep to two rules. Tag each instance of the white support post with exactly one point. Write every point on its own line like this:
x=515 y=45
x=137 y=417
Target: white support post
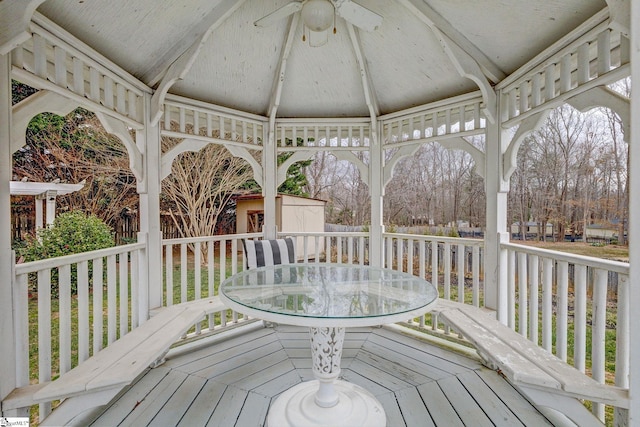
x=496 y=188
x=150 y=276
x=39 y=212
x=376 y=190
x=50 y=198
x=270 y=181
x=634 y=217
x=7 y=331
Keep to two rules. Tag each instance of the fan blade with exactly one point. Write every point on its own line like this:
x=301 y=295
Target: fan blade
x=318 y=38
x=358 y=15
x=278 y=14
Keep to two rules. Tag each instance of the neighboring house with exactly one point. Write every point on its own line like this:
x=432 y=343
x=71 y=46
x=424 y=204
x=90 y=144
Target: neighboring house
x=603 y=231
x=531 y=229
x=293 y=214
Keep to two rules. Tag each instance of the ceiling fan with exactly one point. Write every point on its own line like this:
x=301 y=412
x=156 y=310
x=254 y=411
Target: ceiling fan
x=319 y=15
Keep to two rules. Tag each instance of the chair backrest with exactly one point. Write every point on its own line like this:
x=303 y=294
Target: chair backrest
x=259 y=253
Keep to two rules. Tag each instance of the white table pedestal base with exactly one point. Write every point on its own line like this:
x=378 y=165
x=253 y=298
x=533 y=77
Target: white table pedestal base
x=297 y=407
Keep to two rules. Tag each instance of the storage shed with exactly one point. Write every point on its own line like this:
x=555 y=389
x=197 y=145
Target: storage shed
x=294 y=214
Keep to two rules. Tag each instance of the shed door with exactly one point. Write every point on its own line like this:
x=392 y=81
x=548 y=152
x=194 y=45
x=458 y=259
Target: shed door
x=255 y=221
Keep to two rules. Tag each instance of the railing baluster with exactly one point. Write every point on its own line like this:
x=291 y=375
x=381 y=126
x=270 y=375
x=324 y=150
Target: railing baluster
x=123 y=268
x=476 y=276
x=434 y=263
x=168 y=272
x=511 y=290
x=305 y=248
x=137 y=300
x=580 y=317
x=211 y=276
x=534 y=292
x=410 y=256
x=234 y=256
x=523 y=293
x=598 y=331
x=184 y=268
x=197 y=270
x=547 y=304
x=83 y=311
x=111 y=299
x=562 y=293
x=460 y=261
x=422 y=258
x=44 y=333
x=21 y=307
x=98 y=304
x=622 y=344
x=64 y=317
x=446 y=255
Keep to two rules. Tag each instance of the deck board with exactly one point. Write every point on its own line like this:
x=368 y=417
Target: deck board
x=233 y=382
x=464 y=403
x=520 y=406
x=171 y=413
x=439 y=407
x=228 y=409
x=146 y=411
x=413 y=410
x=495 y=409
x=203 y=405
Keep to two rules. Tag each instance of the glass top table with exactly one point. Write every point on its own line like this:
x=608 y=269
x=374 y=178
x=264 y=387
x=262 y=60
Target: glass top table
x=327 y=298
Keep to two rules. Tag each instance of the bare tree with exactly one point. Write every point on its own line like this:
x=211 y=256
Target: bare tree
x=200 y=187
x=75 y=149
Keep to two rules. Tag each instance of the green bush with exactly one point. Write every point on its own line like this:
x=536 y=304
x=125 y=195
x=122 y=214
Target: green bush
x=70 y=233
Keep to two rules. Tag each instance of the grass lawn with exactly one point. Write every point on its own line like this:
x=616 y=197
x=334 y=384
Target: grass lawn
x=610 y=252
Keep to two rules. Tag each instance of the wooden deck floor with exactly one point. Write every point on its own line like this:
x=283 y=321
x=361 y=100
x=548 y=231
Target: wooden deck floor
x=233 y=382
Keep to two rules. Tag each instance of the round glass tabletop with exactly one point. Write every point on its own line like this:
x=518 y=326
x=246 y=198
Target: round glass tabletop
x=328 y=294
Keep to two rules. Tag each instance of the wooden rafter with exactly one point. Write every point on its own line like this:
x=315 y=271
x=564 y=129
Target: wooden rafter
x=276 y=92
x=155 y=72
x=468 y=59
x=435 y=21
x=181 y=66
x=367 y=85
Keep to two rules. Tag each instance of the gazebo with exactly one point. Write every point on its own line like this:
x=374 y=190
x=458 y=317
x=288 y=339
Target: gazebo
x=375 y=77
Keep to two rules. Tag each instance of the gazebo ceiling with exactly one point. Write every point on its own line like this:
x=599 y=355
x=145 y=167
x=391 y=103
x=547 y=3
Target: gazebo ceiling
x=237 y=64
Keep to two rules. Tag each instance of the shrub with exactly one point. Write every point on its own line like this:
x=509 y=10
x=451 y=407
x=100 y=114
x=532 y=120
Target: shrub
x=70 y=233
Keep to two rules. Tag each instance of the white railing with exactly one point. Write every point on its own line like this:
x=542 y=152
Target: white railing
x=193 y=268
x=453 y=265
x=67 y=301
x=558 y=300
x=344 y=248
